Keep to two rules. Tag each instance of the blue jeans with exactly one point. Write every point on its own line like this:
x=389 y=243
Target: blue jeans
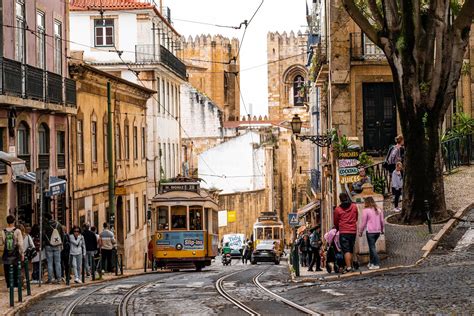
x=76 y=261
x=53 y=256
x=89 y=260
x=371 y=240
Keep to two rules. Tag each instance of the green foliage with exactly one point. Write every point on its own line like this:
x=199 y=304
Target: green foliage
x=365 y=160
x=378 y=184
x=455 y=7
x=466 y=68
x=463 y=125
x=339 y=143
x=401 y=44
x=424 y=87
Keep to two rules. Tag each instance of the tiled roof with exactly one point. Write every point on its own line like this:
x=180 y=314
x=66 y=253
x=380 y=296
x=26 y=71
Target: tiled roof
x=84 y=5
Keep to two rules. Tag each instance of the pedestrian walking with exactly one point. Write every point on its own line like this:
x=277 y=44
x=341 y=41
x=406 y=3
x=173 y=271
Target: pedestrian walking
x=107 y=245
x=77 y=252
x=53 y=244
x=36 y=274
x=315 y=246
x=65 y=251
x=395 y=154
x=397 y=185
x=373 y=221
x=304 y=248
x=244 y=252
x=345 y=221
x=13 y=252
x=91 y=247
x=248 y=256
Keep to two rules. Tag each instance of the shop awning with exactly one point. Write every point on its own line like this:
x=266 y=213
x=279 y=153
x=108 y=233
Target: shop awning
x=301 y=229
x=17 y=164
x=56 y=185
x=308 y=208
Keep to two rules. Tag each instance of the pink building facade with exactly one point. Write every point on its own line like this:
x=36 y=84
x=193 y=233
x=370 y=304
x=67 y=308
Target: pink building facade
x=37 y=102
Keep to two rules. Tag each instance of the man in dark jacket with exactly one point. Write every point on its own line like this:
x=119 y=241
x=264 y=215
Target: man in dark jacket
x=345 y=221
x=91 y=247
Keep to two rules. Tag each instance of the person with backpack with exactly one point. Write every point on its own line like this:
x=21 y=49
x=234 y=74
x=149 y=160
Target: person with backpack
x=107 y=245
x=345 y=221
x=53 y=242
x=77 y=252
x=13 y=252
x=315 y=246
x=395 y=154
x=372 y=219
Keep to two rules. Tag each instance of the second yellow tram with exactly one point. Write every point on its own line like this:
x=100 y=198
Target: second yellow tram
x=269 y=228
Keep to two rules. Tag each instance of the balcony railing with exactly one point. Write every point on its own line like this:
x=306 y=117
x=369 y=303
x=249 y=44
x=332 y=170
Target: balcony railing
x=458 y=151
x=362 y=48
x=43 y=161
x=34 y=83
x=173 y=62
x=25 y=81
x=320 y=52
x=3 y=168
x=27 y=159
x=147 y=53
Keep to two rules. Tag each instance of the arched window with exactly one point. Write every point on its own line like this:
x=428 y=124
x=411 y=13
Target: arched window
x=299 y=91
x=23 y=139
x=43 y=146
x=118 y=147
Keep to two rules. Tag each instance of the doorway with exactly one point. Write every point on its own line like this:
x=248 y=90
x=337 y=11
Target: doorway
x=119 y=223
x=380 y=117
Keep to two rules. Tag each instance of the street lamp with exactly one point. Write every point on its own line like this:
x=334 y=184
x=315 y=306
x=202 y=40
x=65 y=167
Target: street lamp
x=318 y=140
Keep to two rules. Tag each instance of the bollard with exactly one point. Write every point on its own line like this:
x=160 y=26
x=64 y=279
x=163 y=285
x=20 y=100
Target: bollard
x=121 y=264
x=20 y=285
x=68 y=273
x=296 y=261
x=93 y=268
x=83 y=269
x=145 y=263
x=426 y=205
x=116 y=264
x=100 y=267
x=27 y=275
x=11 y=286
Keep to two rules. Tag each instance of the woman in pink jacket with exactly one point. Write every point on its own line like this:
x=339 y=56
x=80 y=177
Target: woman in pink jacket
x=372 y=219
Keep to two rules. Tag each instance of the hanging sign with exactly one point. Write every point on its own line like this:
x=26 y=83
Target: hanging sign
x=231 y=216
x=348 y=155
x=346 y=163
x=293 y=219
x=349 y=179
x=348 y=171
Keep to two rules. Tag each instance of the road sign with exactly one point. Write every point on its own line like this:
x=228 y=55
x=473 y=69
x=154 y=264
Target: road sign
x=293 y=219
x=231 y=216
x=348 y=171
x=42 y=180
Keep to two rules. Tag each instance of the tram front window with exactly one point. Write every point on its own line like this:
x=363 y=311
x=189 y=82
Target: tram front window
x=268 y=233
x=178 y=218
x=259 y=233
x=276 y=233
x=163 y=220
x=195 y=218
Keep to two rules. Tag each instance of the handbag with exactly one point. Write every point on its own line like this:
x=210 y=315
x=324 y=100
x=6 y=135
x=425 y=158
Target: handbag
x=30 y=252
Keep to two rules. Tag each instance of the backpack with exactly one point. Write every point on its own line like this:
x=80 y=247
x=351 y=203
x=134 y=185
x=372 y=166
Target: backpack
x=314 y=240
x=386 y=161
x=55 y=239
x=11 y=246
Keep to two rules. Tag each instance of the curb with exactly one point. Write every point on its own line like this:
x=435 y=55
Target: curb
x=428 y=248
x=19 y=307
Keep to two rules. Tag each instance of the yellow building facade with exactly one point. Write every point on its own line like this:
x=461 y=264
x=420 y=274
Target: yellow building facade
x=89 y=178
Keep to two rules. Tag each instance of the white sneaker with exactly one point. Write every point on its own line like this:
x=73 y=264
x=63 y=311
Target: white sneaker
x=76 y=280
x=374 y=267
x=369 y=266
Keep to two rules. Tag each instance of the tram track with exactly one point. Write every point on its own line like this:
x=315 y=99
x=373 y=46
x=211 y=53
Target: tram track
x=251 y=311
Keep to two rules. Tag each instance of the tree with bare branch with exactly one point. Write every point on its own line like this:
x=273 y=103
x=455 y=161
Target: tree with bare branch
x=425 y=43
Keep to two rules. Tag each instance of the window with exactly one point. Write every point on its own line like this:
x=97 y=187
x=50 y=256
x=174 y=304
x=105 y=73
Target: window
x=259 y=233
x=40 y=40
x=163 y=161
x=299 y=91
x=143 y=143
x=104 y=32
x=118 y=147
x=268 y=233
x=195 y=218
x=172 y=101
x=94 y=141
x=168 y=98
x=137 y=214
x=178 y=217
x=145 y=209
x=43 y=137
x=129 y=217
x=80 y=141
x=127 y=142
x=215 y=222
x=58 y=48
x=163 y=220
x=158 y=94
x=23 y=139
x=276 y=233
x=135 y=142
x=61 y=149
x=20 y=31
x=105 y=143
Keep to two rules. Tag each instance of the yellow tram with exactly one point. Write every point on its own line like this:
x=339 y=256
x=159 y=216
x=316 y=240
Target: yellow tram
x=184 y=226
x=269 y=228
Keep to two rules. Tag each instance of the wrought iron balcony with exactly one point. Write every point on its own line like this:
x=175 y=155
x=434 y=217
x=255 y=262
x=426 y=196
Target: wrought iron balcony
x=35 y=83
x=25 y=81
x=362 y=48
x=174 y=63
x=147 y=53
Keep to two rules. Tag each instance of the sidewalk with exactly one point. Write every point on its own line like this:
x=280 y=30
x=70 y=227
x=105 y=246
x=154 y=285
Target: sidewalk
x=406 y=244
x=37 y=292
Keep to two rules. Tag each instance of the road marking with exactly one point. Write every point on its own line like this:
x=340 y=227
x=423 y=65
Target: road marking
x=466 y=240
x=332 y=292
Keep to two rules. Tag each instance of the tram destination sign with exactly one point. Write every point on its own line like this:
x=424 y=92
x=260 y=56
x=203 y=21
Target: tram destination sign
x=179 y=186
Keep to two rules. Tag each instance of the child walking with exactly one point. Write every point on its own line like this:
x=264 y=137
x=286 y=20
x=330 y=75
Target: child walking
x=397 y=185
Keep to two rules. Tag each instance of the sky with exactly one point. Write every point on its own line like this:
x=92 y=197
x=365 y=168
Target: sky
x=274 y=15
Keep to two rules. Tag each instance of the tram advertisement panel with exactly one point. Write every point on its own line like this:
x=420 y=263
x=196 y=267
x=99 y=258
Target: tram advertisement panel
x=181 y=240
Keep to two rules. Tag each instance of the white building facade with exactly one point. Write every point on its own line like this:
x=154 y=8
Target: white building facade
x=138 y=43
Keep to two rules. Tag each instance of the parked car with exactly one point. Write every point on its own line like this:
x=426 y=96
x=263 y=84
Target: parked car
x=265 y=252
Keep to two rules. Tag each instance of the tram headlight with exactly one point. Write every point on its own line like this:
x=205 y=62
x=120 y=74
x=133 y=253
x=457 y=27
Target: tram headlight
x=194 y=253
x=179 y=247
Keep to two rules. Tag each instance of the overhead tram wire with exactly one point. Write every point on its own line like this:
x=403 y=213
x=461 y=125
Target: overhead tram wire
x=211 y=24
